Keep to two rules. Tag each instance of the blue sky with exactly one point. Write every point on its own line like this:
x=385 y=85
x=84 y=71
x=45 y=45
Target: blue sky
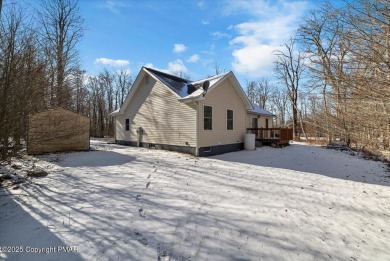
x=188 y=35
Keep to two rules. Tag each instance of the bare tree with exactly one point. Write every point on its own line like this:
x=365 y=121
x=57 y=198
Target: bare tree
x=251 y=91
x=62 y=29
x=348 y=49
x=107 y=92
x=124 y=81
x=370 y=47
x=259 y=92
x=288 y=69
x=325 y=39
x=279 y=100
x=264 y=91
x=21 y=76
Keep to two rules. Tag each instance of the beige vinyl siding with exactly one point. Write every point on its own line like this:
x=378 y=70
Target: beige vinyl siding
x=120 y=133
x=260 y=121
x=157 y=110
x=221 y=98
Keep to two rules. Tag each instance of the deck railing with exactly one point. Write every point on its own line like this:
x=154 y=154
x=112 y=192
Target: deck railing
x=279 y=135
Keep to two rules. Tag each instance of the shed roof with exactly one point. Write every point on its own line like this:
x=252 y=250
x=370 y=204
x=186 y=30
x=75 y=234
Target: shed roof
x=56 y=109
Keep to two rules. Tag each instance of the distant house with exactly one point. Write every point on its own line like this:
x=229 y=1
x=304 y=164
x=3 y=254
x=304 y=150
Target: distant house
x=167 y=112
x=55 y=130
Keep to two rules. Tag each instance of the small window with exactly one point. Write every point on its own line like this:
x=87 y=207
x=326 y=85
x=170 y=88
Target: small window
x=229 y=120
x=208 y=117
x=127 y=124
x=266 y=123
x=207 y=149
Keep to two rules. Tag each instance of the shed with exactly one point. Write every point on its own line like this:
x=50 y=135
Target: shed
x=56 y=130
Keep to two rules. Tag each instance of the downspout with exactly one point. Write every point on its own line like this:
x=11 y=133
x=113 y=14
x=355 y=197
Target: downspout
x=115 y=128
x=197 y=128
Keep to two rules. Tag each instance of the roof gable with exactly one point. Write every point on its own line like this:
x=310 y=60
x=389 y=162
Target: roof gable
x=177 y=85
x=133 y=89
x=216 y=81
x=185 y=90
x=180 y=86
x=183 y=87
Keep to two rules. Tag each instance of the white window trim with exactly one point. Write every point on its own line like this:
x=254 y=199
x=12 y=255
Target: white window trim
x=226 y=119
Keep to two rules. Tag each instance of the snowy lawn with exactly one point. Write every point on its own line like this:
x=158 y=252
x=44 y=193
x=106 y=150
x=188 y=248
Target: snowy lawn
x=122 y=203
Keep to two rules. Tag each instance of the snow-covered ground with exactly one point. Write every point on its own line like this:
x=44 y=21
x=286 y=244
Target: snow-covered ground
x=122 y=203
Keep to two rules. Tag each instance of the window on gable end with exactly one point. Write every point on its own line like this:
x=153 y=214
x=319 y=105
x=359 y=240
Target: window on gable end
x=127 y=124
x=229 y=119
x=208 y=117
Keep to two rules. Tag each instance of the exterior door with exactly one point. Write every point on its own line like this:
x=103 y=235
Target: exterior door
x=254 y=123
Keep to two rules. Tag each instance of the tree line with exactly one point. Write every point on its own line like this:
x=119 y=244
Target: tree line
x=334 y=76
x=39 y=69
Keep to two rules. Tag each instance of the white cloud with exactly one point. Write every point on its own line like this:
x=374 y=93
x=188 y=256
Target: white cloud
x=114 y=6
x=255 y=59
x=254 y=47
x=112 y=62
x=177 y=66
x=179 y=48
x=174 y=67
x=149 y=65
x=194 y=58
x=256 y=41
x=205 y=22
x=273 y=23
x=219 y=35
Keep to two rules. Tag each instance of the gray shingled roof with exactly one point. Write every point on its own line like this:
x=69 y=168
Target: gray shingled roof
x=258 y=110
x=179 y=85
x=183 y=87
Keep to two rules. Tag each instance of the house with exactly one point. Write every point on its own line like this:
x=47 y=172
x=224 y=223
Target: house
x=260 y=118
x=55 y=130
x=205 y=117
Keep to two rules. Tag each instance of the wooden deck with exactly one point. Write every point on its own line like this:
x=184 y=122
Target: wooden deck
x=273 y=136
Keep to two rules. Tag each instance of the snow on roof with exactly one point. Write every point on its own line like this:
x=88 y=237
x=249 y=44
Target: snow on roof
x=212 y=79
x=179 y=85
x=184 y=88
x=258 y=110
x=115 y=112
x=199 y=85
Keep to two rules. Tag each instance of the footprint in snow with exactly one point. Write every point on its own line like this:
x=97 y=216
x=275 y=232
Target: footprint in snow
x=147 y=185
x=140 y=238
x=142 y=212
x=163 y=255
